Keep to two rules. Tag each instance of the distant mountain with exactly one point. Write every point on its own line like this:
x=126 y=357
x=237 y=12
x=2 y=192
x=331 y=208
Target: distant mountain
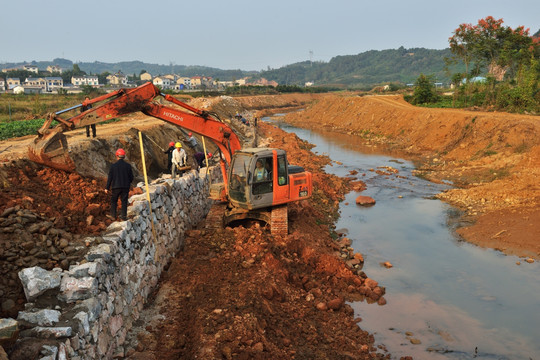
x=349 y=71
x=368 y=68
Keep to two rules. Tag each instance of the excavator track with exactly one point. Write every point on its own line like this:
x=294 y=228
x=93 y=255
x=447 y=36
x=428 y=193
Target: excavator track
x=214 y=219
x=279 y=223
x=277 y=218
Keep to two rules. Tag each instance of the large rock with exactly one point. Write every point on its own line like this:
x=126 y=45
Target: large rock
x=36 y=281
x=74 y=289
x=365 y=201
x=45 y=317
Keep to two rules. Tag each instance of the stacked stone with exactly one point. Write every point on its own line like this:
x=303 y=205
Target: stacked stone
x=90 y=308
x=28 y=239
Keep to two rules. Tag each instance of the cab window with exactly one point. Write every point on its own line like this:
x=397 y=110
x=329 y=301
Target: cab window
x=262 y=176
x=282 y=170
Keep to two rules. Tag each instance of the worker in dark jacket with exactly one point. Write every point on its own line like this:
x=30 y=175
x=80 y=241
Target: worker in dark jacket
x=169 y=152
x=119 y=180
x=200 y=159
x=85 y=106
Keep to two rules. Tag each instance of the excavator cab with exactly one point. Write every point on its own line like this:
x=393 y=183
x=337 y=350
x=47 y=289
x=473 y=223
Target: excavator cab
x=262 y=177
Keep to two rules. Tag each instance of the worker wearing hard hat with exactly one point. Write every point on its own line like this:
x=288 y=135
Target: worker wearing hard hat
x=179 y=159
x=119 y=181
x=169 y=152
x=192 y=141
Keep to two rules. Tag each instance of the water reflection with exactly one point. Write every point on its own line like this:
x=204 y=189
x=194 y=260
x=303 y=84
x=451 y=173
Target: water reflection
x=458 y=300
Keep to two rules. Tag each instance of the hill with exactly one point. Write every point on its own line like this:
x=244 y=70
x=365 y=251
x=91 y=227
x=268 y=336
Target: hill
x=348 y=71
x=368 y=68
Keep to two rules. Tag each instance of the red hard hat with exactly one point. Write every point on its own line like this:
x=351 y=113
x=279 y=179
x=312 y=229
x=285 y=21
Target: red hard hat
x=189 y=134
x=209 y=154
x=120 y=153
x=171 y=143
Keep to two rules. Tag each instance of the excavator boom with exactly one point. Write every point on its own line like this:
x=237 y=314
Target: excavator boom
x=50 y=146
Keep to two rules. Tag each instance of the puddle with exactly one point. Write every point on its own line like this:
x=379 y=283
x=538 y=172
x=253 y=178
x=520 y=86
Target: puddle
x=455 y=300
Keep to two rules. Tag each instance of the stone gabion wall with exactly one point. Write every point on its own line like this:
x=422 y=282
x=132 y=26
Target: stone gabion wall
x=88 y=310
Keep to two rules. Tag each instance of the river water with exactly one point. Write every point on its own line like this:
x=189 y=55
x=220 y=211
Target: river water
x=457 y=300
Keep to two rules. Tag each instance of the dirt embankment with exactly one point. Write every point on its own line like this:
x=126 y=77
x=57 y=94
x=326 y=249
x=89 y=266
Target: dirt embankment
x=493 y=158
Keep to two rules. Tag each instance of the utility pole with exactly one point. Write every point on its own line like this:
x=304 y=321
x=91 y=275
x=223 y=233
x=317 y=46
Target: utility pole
x=311 y=58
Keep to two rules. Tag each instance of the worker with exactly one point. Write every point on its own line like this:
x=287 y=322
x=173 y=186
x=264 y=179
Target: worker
x=192 y=141
x=85 y=106
x=119 y=181
x=169 y=152
x=260 y=173
x=179 y=159
x=200 y=160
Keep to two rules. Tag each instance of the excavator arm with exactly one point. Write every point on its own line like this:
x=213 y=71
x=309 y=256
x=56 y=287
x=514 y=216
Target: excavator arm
x=50 y=146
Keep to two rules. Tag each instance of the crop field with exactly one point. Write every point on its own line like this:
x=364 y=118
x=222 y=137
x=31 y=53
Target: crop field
x=24 y=114
x=28 y=107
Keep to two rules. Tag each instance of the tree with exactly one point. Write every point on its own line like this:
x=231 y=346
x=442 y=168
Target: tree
x=77 y=70
x=490 y=45
x=424 y=90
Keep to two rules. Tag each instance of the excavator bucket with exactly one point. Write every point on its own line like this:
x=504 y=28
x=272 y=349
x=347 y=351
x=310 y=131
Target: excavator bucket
x=51 y=149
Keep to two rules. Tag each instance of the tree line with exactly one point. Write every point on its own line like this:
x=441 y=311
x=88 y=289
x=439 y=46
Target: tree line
x=502 y=68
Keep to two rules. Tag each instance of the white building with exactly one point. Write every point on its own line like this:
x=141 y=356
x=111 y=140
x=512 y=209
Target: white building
x=48 y=84
x=162 y=82
x=81 y=80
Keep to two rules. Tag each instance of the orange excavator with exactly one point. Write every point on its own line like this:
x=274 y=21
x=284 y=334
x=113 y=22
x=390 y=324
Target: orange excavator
x=257 y=182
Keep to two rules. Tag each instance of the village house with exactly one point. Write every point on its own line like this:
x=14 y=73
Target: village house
x=198 y=82
x=12 y=83
x=48 y=84
x=117 y=79
x=225 y=84
x=241 y=82
x=163 y=82
x=183 y=83
x=264 y=82
x=2 y=84
x=31 y=68
x=35 y=82
x=80 y=80
x=54 y=83
x=171 y=77
x=146 y=76
x=54 y=69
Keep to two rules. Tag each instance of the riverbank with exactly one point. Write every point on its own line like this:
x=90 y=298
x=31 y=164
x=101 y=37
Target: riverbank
x=493 y=159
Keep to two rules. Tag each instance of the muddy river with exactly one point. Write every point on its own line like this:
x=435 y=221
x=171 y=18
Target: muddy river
x=447 y=299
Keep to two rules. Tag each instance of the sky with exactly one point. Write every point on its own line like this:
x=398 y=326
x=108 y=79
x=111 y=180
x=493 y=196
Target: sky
x=237 y=34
